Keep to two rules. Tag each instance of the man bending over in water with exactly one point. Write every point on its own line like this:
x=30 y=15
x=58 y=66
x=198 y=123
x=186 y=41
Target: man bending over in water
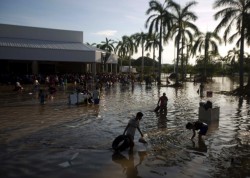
x=198 y=125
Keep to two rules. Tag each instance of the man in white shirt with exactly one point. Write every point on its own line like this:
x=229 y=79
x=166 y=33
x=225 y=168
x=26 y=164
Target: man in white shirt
x=133 y=124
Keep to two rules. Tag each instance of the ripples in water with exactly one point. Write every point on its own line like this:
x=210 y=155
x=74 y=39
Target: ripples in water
x=33 y=131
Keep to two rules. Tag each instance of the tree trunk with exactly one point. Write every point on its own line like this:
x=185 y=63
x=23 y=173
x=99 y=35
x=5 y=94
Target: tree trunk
x=241 y=70
x=154 y=60
x=142 y=62
x=160 y=51
x=205 y=61
x=187 y=56
x=177 y=61
x=182 y=59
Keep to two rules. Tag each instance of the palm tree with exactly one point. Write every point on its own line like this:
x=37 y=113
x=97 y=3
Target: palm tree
x=188 y=46
x=153 y=42
x=95 y=45
x=140 y=40
x=232 y=59
x=107 y=46
x=126 y=48
x=233 y=55
x=159 y=21
x=183 y=29
x=206 y=42
x=234 y=14
x=120 y=50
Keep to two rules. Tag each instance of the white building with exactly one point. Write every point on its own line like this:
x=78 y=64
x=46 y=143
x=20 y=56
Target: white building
x=35 y=50
x=125 y=69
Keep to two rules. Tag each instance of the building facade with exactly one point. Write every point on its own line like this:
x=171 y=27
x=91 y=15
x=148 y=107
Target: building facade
x=32 y=50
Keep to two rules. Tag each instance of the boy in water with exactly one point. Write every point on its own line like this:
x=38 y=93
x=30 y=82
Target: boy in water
x=197 y=126
x=133 y=124
x=96 y=96
x=42 y=96
x=162 y=102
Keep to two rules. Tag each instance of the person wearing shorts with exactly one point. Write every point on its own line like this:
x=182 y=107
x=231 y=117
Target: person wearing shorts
x=198 y=125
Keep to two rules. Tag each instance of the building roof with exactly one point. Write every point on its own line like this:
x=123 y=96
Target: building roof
x=33 y=43
x=37 y=33
x=44 y=44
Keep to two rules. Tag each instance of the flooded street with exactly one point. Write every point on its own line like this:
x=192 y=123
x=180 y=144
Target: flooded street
x=61 y=140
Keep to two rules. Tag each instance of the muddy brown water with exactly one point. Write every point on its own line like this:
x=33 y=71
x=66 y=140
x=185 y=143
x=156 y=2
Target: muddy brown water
x=61 y=140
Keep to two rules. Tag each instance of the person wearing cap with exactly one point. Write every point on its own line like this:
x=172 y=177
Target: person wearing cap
x=162 y=102
x=133 y=124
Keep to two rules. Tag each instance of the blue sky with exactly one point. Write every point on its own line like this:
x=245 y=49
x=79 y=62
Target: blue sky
x=97 y=19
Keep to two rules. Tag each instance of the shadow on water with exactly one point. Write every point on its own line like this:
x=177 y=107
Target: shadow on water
x=45 y=140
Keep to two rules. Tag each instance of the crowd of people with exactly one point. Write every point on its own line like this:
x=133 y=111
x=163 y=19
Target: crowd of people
x=61 y=79
x=47 y=85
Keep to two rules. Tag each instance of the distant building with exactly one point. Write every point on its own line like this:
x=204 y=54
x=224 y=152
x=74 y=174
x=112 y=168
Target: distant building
x=125 y=69
x=32 y=50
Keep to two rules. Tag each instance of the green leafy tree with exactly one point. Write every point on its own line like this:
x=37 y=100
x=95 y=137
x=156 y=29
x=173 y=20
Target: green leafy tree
x=108 y=46
x=160 y=20
x=126 y=48
x=153 y=43
x=233 y=55
x=232 y=58
x=235 y=13
x=182 y=29
x=140 y=40
x=120 y=50
x=206 y=42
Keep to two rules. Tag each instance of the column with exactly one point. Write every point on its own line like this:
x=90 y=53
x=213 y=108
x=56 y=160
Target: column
x=34 y=67
x=93 y=68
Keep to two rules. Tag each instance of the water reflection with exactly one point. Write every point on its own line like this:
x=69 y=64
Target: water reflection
x=68 y=163
x=240 y=104
x=198 y=147
x=129 y=167
x=162 y=119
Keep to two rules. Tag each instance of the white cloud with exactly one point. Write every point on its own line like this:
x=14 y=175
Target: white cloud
x=106 y=33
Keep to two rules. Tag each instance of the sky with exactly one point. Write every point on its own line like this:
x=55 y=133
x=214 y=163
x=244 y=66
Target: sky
x=99 y=19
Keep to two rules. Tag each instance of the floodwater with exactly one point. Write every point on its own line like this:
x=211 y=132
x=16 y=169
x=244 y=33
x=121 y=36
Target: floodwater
x=61 y=140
